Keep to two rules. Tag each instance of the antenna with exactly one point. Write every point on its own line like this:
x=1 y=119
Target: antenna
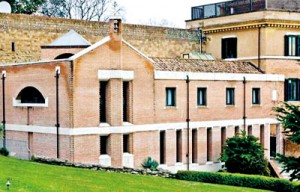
x=5 y=7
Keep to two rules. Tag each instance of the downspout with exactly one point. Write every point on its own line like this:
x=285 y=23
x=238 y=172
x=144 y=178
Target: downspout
x=3 y=104
x=188 y=120
x=57 y=71
x=244 y=104
x=259 y=47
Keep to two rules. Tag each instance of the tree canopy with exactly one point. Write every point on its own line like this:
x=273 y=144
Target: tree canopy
x=289 y=116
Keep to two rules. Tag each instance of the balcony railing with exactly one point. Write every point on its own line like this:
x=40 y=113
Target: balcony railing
x=227 y=8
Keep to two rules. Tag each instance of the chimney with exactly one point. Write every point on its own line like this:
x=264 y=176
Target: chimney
x=115 y=28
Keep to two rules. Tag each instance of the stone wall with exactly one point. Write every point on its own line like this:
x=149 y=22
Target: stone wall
x=29 y=32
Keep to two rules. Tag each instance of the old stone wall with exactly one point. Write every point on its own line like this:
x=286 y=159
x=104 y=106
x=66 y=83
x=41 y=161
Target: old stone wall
x=22 y=36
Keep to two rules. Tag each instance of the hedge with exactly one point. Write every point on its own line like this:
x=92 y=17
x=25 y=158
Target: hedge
x=251 y=181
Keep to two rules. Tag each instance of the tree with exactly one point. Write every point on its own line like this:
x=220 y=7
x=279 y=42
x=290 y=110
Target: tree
x=244 y=154
x=289 y=116
x=25 y=6
x=81 y=9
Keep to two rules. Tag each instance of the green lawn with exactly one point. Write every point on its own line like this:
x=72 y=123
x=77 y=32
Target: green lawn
x=30 y=176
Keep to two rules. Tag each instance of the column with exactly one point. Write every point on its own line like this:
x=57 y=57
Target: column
x=202 y=145
x=216 y=143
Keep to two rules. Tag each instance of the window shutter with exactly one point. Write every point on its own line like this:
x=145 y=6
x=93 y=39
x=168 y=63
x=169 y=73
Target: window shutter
x=286 y=45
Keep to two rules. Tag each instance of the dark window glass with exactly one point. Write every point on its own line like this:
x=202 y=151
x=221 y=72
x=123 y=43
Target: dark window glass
x=229 y=48
x=292 y=45
x=229 y=96
x=30 y=95
x=201 y=97
x=256 y=96
x=126 y=143
x=292 y=90
x=170 y=96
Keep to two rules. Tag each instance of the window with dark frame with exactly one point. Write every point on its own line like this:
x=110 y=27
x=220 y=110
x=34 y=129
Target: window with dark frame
x=256 y=96
x=229 y=96
x=292 y=45
x=292 y=90
x=103 y=145
x=229 y=48
x=170 y=96
x=201 y=96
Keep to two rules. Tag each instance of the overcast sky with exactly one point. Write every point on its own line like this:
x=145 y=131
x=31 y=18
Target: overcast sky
x=148 y=11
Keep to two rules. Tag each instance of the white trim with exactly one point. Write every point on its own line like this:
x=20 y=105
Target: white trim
x=105 y=75
x=136 y=128
x=170 y=75
x=90 y=48
x=264 y=57
x=17 y=103
x=229 y=36
x=139 y=52
x=292 y=33
x=35 y=62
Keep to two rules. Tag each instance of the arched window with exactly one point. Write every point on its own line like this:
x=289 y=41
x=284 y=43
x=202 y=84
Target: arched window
x=64 y=56
x=30 y=95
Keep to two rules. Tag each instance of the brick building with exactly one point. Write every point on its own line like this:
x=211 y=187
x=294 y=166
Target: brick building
x=118 y=105
x=265 y=33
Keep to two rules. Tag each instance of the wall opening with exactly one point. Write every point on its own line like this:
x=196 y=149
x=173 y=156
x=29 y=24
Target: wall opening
x=209 y=144
x=64 y=56
x=194 y=146
x=102 y=103
x=103 y=145
x=236 y=130
x=162 y=141
x=262 y=135
x=178 y=146
x=223 y=138
x=126 y=145
x=125 y=101
x=30 y=95
x=249 y=130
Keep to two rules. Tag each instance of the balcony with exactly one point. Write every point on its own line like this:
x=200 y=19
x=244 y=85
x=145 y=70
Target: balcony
x=227 y=8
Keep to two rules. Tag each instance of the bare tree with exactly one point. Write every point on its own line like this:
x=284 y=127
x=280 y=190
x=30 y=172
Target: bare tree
x=98 y=10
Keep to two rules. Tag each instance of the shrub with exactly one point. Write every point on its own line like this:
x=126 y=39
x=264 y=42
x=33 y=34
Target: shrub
x=251 y=181
x=244 y=154
x=150 y=163
x=4 y=151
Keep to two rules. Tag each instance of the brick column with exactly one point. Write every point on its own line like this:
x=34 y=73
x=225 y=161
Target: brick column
x=115 y=102
x=202 y=145
x=184 y=146
x=116 y=150
x=216 y=143
x=279 y=139
x=230 y=131
x=256 y=131
x=170 y=147
x=266 y=140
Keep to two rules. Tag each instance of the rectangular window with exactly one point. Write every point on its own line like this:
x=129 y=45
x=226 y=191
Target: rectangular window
x=103 y=145
x=229 y=96
x=292 y=90
x=292 y=45
x=229 y=48
x=201 y=97
x=256 y=96
x=125 y=101
x=171 y=96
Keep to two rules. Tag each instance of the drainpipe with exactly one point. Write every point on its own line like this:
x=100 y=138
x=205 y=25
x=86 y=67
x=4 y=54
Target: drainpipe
x=188 y=120
x=259 y=46
x=57 y=71
x=244 y=105
x=3 y=104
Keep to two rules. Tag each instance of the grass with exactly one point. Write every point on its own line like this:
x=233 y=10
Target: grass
x=30 y=176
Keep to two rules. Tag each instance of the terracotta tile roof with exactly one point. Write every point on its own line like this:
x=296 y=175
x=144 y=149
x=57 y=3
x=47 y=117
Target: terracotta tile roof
x=197 y=65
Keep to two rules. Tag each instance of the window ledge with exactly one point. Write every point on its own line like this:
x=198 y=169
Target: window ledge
x=171 y=107
x=202 y=107
x=256 y=105
x=230 y=106
x=17 y=103
x=125 y=123
x=104 y=125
